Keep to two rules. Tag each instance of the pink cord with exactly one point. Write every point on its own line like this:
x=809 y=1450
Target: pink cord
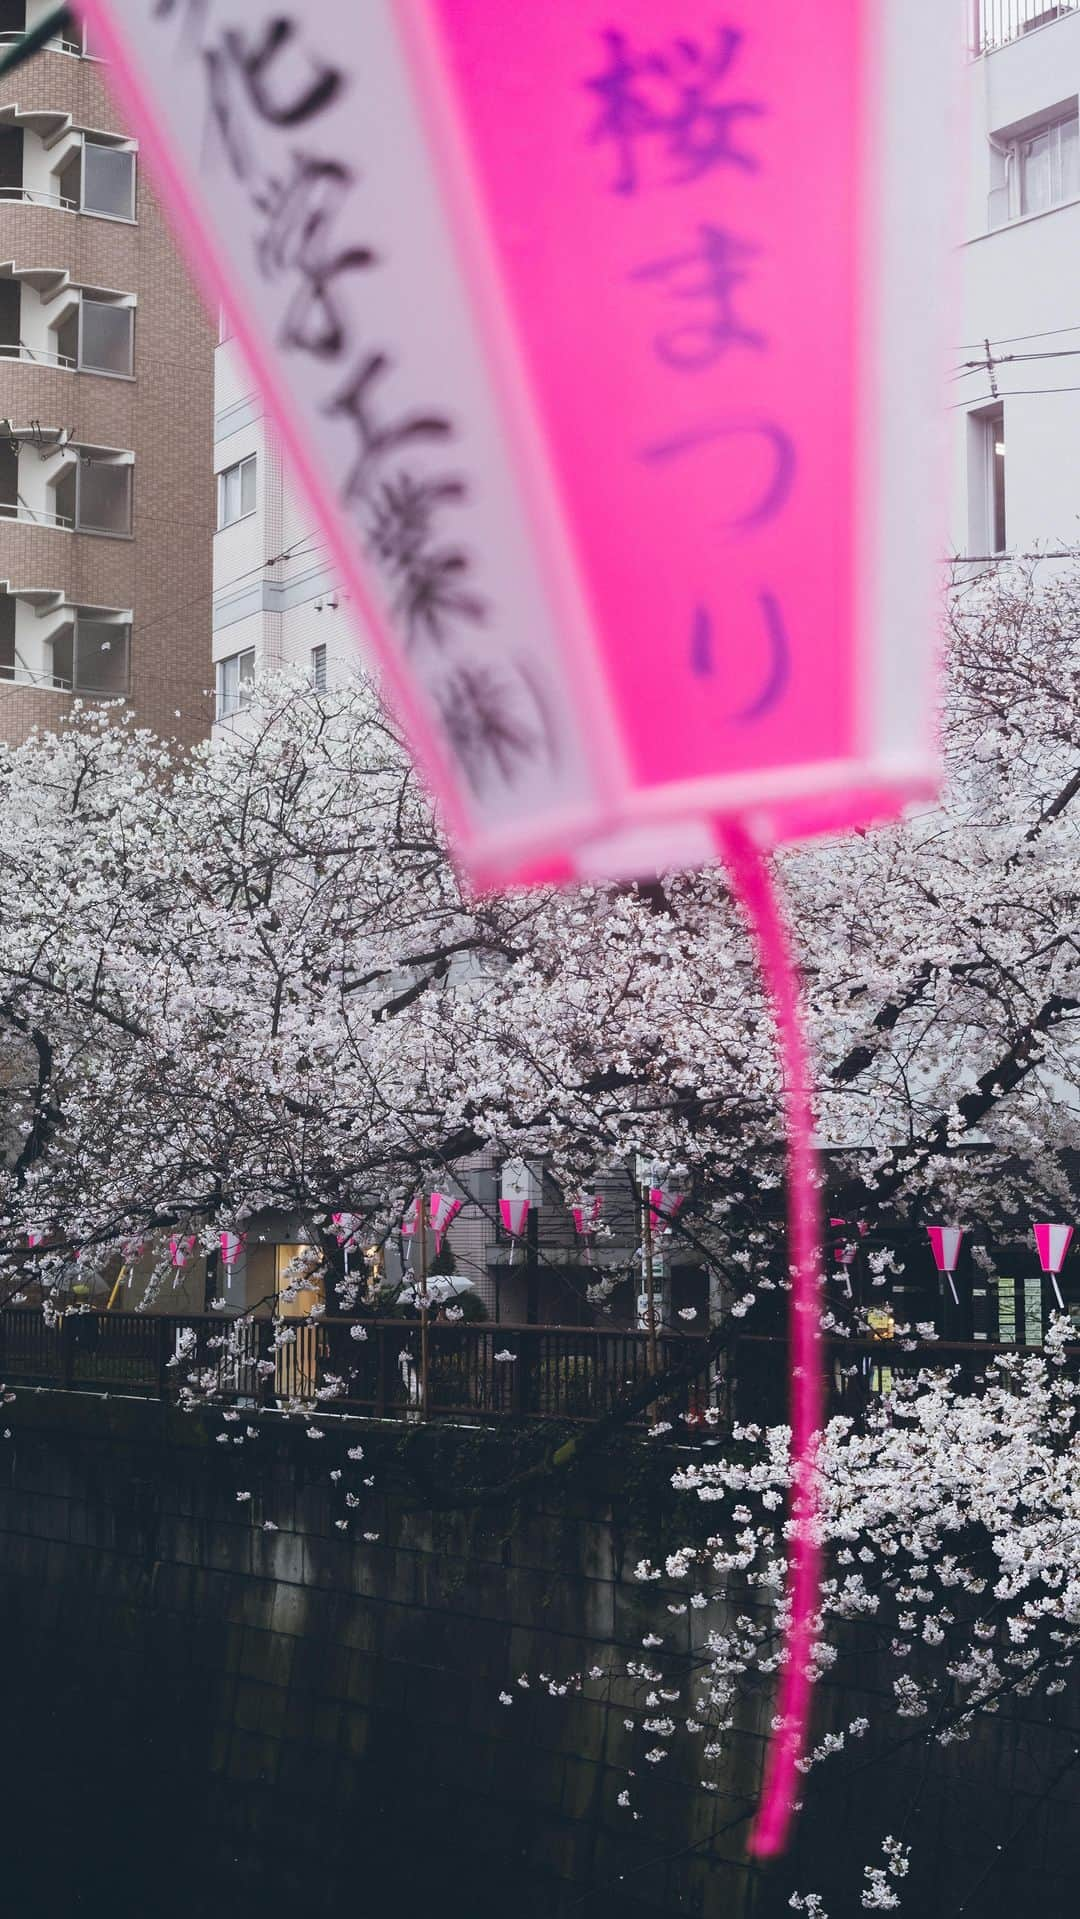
x=757 y=896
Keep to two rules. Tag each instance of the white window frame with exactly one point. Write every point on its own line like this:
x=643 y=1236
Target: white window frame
x=224 y=518
x=235 y=687
x=987 y=470
x=104 y=372
x=319 y=664
x=113 y=146
x=1006 y=200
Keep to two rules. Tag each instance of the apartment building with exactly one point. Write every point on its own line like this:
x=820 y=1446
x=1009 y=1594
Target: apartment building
x=277 y=600
x=1014 y=389
x=106 y=412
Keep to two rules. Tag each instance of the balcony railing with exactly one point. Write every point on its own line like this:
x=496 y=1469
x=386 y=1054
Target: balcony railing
x=60 y=43
x=994 y=23
x=36 y=356
x=34 y=516
x=39 y=199
x=25 y=676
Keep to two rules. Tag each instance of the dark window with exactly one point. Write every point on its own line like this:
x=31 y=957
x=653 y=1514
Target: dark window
x=103 y=501
x=105 y=337
x=108 y=181
x=995 y=454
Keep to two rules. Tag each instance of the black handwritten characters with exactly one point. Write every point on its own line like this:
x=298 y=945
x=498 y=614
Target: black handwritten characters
x=267 y=88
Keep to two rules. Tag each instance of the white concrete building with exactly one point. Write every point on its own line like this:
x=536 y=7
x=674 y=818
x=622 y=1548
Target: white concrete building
x=277 y=599
x=1015 y=378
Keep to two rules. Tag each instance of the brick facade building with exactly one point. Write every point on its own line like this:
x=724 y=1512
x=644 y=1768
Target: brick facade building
x=106 y=415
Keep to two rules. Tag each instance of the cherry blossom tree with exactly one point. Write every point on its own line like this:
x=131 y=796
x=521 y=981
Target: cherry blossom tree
x=249 y=980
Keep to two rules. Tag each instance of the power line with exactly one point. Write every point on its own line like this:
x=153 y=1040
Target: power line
x=1016 y=339
x=1012 y=393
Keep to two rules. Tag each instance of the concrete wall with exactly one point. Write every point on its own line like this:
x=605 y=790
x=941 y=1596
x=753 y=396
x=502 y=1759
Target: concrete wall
x=205 y=1717
x=1019 y=287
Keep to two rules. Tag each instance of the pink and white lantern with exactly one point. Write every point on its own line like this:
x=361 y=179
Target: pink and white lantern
x=664 y=1205
x=347 y=1230
x=659 y=585
x=517 y=1194
x=181 y=1247
x=844 y=1253
x=586 y=1213
x=945 y=1244
x=620 y=528
x=1053 y=1243
x=443 y=1210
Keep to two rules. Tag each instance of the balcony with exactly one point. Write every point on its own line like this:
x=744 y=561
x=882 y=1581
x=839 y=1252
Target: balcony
x=45 y=161
x=995 y=23
x=48 y=480
x=57 y=324
x=49 y=644
x=18 y=17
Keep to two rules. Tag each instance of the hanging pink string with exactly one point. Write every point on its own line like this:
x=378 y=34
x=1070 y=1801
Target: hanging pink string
x=755 y=891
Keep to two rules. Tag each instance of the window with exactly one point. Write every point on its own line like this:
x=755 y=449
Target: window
x=236 y=491
x=106 y=334
x=1049 y=165
x=318 y=668
x=988 y=532
x=1035 y=167
x=91 y=656
x=108 y=180
x=102 y=496
x=235 y=681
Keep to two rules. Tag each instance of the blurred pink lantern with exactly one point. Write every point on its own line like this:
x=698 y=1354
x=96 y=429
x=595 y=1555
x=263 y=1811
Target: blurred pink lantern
x=411 y=1222
x=131 y=1249
x=181 y=1248
x=587 y=1213
x=232 y=1245
x=663 y=1207
x=347 y=1229
x=945 y=1243
x=1053 y=1244
x=444 y=1209
x=34 y=1235
x=620 y=526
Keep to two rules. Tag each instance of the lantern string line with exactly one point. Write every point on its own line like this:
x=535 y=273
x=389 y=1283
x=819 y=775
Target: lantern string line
x=755 y=890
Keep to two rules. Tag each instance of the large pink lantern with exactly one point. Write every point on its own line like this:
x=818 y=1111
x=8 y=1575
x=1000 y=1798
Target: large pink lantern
x=605 y=340
x=601 y=341
x=1052 y=1243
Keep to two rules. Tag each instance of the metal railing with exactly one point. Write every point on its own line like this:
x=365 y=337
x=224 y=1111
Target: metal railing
x=861 y=1371
x=34 y=516
x=994 y=23
x=60 y=43
x=38 y=199
x=25 y=676
x=18 y=350
x=476 y=1373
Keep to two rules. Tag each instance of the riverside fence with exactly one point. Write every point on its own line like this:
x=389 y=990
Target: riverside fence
x=372 y=1368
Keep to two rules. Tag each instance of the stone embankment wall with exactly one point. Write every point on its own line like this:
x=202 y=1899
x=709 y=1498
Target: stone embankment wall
x=204 y=1717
